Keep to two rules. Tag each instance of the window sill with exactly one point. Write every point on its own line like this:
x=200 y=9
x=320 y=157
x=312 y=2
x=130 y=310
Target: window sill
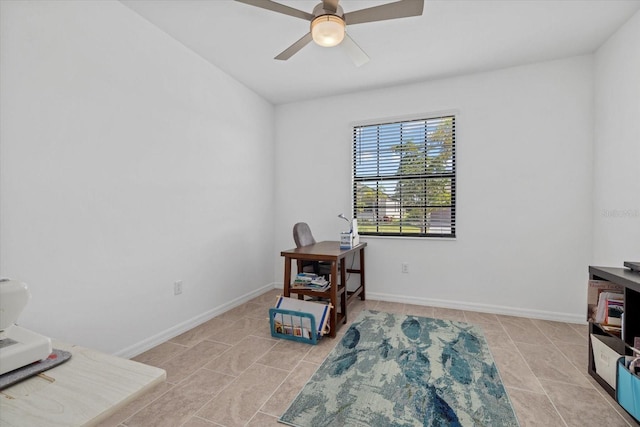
x=438 y=239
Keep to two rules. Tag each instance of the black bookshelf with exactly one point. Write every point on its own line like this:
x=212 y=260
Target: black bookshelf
x=622 y=345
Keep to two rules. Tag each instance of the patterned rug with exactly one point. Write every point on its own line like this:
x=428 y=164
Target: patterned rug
x=398 y=370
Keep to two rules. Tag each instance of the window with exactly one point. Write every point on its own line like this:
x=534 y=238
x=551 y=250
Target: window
x=404 y=178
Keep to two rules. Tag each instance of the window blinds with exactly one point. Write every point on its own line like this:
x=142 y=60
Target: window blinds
x=404 y=178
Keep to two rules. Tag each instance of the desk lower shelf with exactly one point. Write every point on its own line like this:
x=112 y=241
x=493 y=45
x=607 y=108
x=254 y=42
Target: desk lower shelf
x=350 y=296
x=320 y=294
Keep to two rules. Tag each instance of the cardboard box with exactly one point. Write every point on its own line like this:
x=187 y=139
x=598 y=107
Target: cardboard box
x=605 y=357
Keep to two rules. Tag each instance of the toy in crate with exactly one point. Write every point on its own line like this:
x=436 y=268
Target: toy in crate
x=299 y=320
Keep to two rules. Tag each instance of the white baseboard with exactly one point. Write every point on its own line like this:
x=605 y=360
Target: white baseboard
x=180 y=328
x=483 y=308
x=176 y=330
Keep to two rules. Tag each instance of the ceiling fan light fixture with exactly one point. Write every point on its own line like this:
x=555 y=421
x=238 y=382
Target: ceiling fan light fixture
x=327 y=30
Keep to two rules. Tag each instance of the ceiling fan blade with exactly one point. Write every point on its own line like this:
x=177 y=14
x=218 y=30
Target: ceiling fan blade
x=330 y=5
x=294 y=48
x=354 y=51
x=280 y=8
x=399 y=9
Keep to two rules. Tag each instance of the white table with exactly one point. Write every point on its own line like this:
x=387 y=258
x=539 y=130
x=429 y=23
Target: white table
x=85 y=390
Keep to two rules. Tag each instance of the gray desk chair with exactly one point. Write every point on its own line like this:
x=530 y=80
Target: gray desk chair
x=303 y=237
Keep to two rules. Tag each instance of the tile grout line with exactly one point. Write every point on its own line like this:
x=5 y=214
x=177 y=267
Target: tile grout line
x=255 y=362
x=282 y=382
x=228 y=385
x=534 y=375
x=171 y=385
x=513 y=343
x=608 y=401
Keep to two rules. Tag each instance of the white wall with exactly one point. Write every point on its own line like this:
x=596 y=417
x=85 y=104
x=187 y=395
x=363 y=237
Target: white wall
x=617 y=148
x=128 y=162
x=524 y=151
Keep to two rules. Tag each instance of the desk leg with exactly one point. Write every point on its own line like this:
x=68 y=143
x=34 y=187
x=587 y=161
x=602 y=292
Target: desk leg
x=287 y=276
x=344 y=295
x=299 y=267
x=333 y=321
x=362 y=273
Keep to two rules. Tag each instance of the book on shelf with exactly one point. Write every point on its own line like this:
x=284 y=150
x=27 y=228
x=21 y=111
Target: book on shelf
x=613 y=330
x=608 y=299
x=309 y=287
x=614 y=312
x=310 y=281
x=595 y=288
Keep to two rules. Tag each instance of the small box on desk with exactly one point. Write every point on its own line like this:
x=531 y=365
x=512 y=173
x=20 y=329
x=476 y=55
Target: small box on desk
x=350 y=239
x=628 y=389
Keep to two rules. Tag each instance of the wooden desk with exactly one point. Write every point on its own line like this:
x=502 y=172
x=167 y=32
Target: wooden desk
x=330 y=252
x=85 y=390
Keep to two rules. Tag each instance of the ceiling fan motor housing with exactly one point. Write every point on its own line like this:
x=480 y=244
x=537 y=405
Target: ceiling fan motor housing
x=319 y=10
x=327 y=28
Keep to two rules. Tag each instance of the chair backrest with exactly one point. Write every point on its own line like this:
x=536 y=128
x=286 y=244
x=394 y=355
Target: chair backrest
x=302 y=235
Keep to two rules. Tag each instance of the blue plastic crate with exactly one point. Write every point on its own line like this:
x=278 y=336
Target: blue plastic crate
x=628 y=390
x=299 y=320
x=293 y=325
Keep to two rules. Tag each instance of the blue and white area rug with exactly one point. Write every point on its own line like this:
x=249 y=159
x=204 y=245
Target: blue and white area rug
x=399 y=370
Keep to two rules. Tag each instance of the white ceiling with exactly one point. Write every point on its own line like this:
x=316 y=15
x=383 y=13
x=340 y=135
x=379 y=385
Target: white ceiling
x=452 y=37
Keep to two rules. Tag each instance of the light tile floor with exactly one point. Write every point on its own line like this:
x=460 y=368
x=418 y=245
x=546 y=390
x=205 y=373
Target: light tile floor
x=229 y=371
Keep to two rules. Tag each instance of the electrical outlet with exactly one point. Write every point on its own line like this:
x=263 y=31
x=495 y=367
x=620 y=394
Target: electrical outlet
x=177 y=287
x=405 y=267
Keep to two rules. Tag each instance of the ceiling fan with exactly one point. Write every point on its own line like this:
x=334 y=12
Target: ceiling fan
x=328 y=23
